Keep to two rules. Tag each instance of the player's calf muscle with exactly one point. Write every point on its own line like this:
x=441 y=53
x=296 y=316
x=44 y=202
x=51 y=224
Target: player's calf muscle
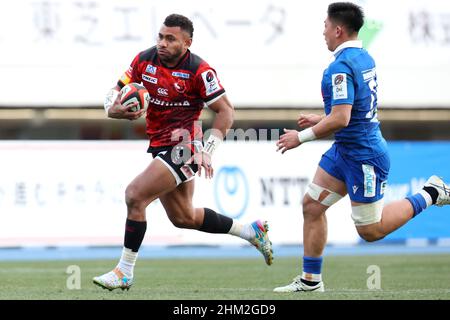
x=184 y=221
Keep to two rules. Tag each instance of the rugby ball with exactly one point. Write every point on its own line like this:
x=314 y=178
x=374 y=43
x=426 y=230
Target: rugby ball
x=132 y=93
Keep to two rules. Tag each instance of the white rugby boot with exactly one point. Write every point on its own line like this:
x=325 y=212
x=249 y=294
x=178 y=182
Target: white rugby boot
x=298 y=286
x=442 y=188
x=114 y=279
x=262 y=241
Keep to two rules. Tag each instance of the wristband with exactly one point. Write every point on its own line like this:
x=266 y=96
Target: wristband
x=306 y=135
x=212 y=144
x=111 y=96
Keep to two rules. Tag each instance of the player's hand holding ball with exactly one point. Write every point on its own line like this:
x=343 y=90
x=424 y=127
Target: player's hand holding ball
x=130 y=103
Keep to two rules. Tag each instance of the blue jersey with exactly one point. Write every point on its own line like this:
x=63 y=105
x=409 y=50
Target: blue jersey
x=351 y=79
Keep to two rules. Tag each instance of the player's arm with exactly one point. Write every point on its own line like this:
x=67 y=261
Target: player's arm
x=224 y=116
x=338 y=118
x=341 y=86
x=309 y=120
x=223 y=119
x=113 y=107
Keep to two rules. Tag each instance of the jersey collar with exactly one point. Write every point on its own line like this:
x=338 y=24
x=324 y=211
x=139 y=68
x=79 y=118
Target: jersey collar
x=347 y=44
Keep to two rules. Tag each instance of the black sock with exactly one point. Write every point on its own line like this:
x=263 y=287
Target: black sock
x=134 y=234
x=309 y=283
x=433 y=193
x=214 y=222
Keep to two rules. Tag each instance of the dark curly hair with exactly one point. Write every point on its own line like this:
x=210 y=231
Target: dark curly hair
x=348 y=14
x=177 y=20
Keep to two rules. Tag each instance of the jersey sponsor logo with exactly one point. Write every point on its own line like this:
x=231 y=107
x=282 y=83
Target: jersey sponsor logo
x=181 y=75
x=180 y=86
x=338 y=79
x=370 y=181
x=150 y=69
x=339 y=82
x=209 y=76
x=211 y=82
x=149 y=79
x=158 y=102
x=163 y=92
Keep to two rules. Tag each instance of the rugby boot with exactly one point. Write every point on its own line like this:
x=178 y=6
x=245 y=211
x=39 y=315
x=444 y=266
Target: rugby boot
x=442 y=189
x=298 y=286
x=114 y=279
x=262 y=241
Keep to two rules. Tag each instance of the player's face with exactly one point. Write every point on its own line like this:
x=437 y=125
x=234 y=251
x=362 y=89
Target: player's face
x=329 y=33
x=172 y=44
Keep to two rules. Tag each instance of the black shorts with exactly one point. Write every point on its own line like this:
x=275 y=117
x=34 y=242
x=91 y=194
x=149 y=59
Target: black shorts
x=174 y=158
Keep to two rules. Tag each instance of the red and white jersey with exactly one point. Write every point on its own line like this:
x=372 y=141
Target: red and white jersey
x=177 y=95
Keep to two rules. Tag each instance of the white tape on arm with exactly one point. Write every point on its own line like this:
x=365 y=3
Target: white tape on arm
x=306 y=135
x=212 y=144
x=111 y=96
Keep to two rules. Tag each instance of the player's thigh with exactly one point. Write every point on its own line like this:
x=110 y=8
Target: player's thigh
x=174 y=158
x=178 y=202
x=326 y=180
x=330 y=173
x=368 y=179
x=150 y=184
x=324 y=191
x=327 y=187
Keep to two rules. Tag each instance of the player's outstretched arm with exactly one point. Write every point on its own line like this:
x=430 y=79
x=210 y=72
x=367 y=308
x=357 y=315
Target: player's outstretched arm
x=223 y=120
x=114 y=109
x=338 y=118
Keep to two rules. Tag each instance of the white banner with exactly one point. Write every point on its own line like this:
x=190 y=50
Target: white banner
x=67 y=53
x=72 y=193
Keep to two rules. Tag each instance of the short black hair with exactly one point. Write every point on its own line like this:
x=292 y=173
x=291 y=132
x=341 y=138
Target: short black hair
x=177 y=20
x=348 y=14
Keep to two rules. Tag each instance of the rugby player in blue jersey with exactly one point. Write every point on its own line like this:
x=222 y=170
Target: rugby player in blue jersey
x=358 y=161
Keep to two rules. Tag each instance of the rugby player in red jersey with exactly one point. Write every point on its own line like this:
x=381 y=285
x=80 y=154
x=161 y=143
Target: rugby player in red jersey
x=180 y=84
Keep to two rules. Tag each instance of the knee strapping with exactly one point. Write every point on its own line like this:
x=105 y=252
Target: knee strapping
x=323 y=195
x=367 y=213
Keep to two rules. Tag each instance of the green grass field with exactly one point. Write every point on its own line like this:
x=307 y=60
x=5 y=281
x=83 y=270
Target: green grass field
x=402 y=277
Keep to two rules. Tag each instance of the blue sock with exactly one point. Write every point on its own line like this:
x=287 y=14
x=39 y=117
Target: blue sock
x=312 y=265
x=418 y=202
